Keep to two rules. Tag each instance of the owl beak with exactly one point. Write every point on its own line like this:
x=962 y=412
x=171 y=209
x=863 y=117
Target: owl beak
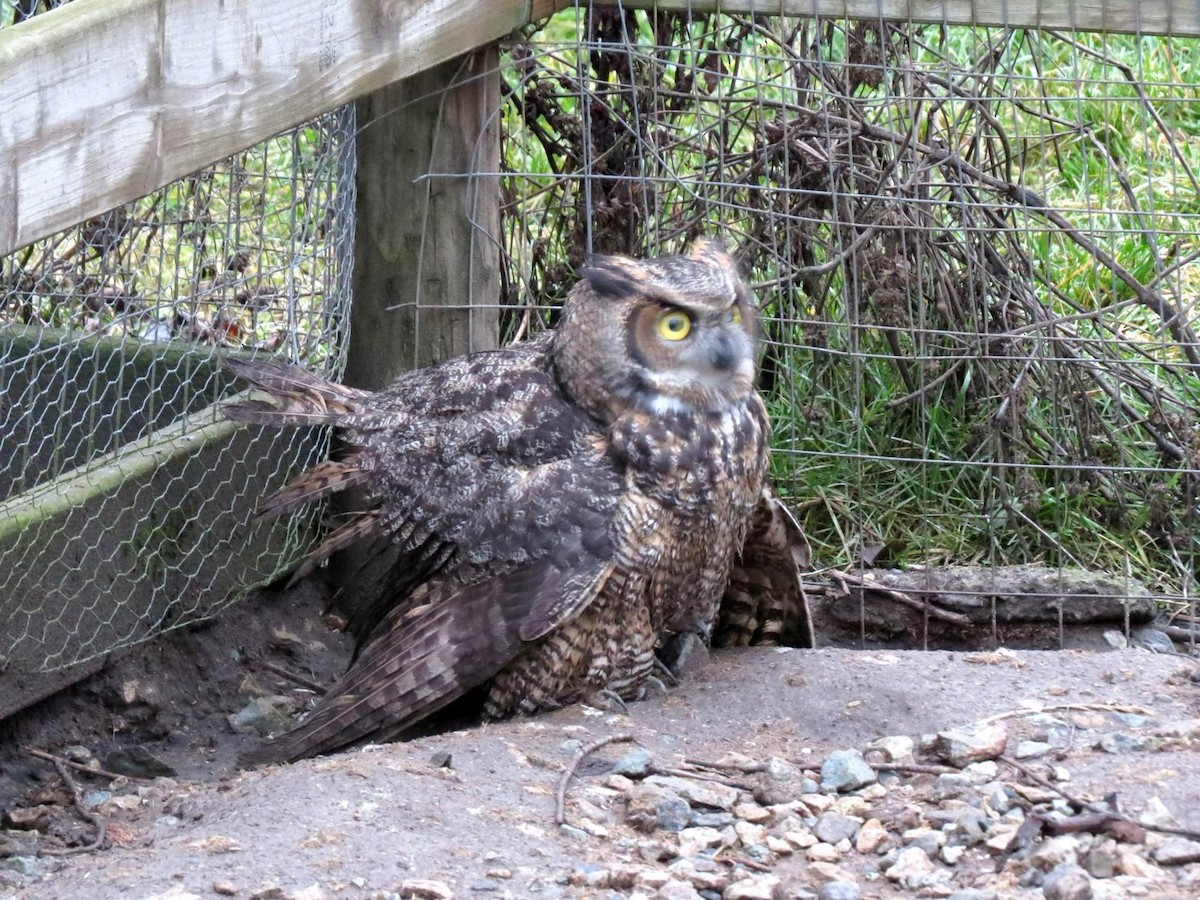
x=723 y=354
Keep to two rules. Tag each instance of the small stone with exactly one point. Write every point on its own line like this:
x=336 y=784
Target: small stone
x=650 y=879
x=928 y=839
x=982 y=772
x=573 y=831
x=263 y=715
x=779 y=782
x=1101 y=859
x=824 y=873
x=872 y=838
x=1177 y=851
x=1156 y=813
x=818 y=803
x=960 y=747
x=752 y=812
x=852 y=805
x=618 y=782
x=1032 y=749
x=312 y=892
x=1133 y=864
x=588 y=875
x=872 y=793
x=895 y=748
x=779 y=846
x=29 y=818
x=711 y=819
x=839 y=890
x=950 y=785
x=822 y=852
x=801 y=840
x=832 y=827
x=635 y=764
x=749 y=833
x=92 y=799
x=755 y=887
x=696 y=840
x=677 y=890
x=502 y=874
x=1002 y=841
x=699 y=793
x=974 y=894
x=913 y=869
x=951 y=854
x=1119 y=742
x=225 y=888
x=651 y=806
x=1067 y=882
x=1056 y=852
x=846 y=770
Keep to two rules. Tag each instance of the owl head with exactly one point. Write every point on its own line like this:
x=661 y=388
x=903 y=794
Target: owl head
x=670 y=334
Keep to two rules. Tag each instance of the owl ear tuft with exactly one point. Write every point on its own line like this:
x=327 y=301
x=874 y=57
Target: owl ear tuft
x=610 y=275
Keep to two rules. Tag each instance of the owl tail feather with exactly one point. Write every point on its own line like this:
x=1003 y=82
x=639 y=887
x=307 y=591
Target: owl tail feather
x=299 y=397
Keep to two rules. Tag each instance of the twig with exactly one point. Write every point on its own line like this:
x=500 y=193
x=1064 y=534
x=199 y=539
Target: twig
x=292 y=676
x=923 y=606
x=1086 y=707
x=560 y=798
x=913 y=768
x=87 y=770
x=744 y=768
x=86 y=814
x=701 y=776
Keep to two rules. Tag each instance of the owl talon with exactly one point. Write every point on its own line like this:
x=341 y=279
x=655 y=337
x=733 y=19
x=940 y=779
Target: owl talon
x=667 y=675
x=656 y=683
x=608 y=700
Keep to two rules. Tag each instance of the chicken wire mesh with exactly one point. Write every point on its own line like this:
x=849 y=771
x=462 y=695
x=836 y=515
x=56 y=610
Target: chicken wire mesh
x=127 y=502
x=976 y=251
x=975 y=248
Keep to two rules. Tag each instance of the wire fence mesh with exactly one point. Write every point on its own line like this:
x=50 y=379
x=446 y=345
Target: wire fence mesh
x=976 y=250
x=111 y=336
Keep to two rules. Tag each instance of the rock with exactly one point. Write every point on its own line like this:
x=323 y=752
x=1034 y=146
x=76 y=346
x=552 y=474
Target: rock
x=1119 y=742
x=1067 y=882
x=951 y=854
x=959 y=747
x=588 y=875
x=1032 y=749
x=696 y=792
x=752 y=812
x=872 y=838
x=914 y=870
x=1130 y=862
x=1156 y=813
x=651 y=806
x=225 y=888
x=928 y=839
x=29 y=818
x=1056 y=852
x=139 y=762
x=832 y=827
x=823 y=852
x=693 y=841
x=312 y=892
x=950 y=785
x=677 y=890
x=779 y=846
x=1101 y=859
x=711 y=819
x=749 y=833
x=824 y=873
x=974 y=894
x=818 y=803
x=756 y=887
x=839 y=890
x=1002 y=841
x=263 y=715
x=895 y=748
x=779 y=782
x=635 y=764
x=801 y=840
x=1177 y=851
x=846 y=770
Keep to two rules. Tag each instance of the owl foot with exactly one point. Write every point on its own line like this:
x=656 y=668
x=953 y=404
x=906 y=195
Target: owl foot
x=657 y=685
x=607 y=700
x=683 y=653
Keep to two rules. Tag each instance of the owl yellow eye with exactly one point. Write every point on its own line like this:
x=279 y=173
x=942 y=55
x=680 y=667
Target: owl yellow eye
x=675 y=325
x=736 y=315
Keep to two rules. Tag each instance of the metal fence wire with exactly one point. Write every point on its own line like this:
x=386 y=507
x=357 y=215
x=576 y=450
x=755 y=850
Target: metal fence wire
x=111 y=337
x=977 y=252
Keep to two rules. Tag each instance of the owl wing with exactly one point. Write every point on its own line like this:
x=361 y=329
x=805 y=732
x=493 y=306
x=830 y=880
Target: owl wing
x=459 y=629
x=765 y=602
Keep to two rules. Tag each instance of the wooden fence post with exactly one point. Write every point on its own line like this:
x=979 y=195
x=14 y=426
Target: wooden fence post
x=426 y=258
x=427 y=240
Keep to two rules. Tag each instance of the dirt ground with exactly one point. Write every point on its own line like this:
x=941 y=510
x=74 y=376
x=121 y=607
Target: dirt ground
x=474 y=808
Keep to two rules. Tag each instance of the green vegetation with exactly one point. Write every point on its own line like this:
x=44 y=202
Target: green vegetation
x=976 y=252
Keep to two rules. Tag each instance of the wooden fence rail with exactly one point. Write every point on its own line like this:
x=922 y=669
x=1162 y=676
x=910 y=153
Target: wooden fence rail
x=104 y=101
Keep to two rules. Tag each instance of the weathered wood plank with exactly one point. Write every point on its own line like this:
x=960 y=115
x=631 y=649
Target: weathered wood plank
x=106 y=100
x=1121 y=16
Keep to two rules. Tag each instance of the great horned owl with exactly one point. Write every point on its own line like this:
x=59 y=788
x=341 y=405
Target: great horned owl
x=563 y=507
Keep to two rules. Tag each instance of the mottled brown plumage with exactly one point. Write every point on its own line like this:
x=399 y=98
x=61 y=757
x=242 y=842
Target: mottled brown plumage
x=561 y=508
